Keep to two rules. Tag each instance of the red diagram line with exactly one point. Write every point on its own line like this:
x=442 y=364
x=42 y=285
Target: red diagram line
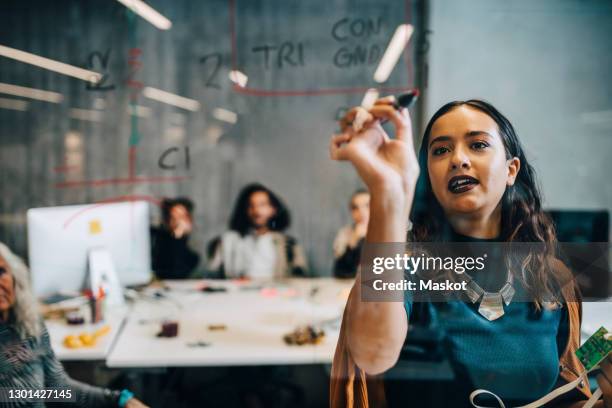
x=132 y=162
x=232 y=7
x=108 y=201
x=306 y=92
x=408 y=12
x=131 y=180
x=328 y=91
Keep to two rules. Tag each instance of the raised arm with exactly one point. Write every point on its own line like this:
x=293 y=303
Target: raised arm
x=389 y=168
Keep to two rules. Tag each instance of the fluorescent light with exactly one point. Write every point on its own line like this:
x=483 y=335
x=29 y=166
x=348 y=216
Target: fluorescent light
x=175 y=134
x=171 y=99
x=213 y=134
x=86 y=114
x=238 y=78
x=72 y=140
x=225 y=115
x=14 y=104
x=393 y=52
x=148 y=13
x=140 y=111
x=51 y=65
x=31 y=93
x=99 y=103
x=369 y=98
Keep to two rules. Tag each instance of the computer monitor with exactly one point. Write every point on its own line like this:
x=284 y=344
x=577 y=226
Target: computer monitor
x=581 y=227
x=61 y=238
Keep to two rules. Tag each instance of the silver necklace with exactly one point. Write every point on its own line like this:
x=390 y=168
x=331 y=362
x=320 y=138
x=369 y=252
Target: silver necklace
x=491 y=304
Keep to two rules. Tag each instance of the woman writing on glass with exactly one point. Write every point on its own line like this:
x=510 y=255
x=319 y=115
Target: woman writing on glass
x=478 y=187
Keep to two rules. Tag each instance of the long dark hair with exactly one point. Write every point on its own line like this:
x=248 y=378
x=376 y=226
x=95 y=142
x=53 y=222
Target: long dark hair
x=522 y=217
x=240 y=221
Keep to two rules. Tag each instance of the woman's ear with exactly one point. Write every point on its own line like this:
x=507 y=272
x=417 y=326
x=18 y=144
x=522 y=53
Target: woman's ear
x=514 y=166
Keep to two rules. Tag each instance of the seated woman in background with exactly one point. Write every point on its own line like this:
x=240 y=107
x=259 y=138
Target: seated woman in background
x=349 y=240
x=171 y=256
x=27 y=360
x=256 y=246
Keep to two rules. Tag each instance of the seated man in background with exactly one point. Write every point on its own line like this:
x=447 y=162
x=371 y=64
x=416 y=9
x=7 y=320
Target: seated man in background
x=349 y=240
x=27 y=361
x=256 y=245
x=171 y=256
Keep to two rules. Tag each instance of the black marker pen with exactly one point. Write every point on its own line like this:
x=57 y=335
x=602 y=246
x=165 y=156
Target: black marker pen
x=406 y=100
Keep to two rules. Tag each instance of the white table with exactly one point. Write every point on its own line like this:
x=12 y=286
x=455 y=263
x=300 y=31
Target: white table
x=256 y=321
x=59 y=329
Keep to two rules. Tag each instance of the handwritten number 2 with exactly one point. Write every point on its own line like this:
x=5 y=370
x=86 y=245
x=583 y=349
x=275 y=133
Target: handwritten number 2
x=215 y=59
x=103 y=61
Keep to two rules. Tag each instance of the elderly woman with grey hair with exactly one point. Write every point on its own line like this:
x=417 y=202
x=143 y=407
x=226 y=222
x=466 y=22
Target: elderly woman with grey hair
x=27 y=361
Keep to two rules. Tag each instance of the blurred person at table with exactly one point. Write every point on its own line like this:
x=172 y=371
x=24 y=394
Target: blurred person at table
x=171 y=255
x=349 y=240
x=255 y=245
x=28 y=361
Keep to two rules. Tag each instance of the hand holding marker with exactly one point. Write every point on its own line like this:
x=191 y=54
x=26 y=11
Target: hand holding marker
x=359 y=116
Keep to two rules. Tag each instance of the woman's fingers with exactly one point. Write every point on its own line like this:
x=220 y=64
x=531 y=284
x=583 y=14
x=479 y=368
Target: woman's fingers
x=336 y=146
x=400 y=119
x=386 y=100
x=362 y=118
x=347 y=121
x=375 y=124
x=360 y=149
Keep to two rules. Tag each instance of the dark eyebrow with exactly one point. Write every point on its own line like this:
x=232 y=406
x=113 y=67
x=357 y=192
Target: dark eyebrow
x=440 y=139
x=471 y=133
x=477 y=133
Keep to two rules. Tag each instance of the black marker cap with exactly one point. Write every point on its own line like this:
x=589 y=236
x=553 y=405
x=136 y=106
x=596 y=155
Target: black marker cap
x=406 y=100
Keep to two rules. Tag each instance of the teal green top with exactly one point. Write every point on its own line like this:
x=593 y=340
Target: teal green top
x=516 y=356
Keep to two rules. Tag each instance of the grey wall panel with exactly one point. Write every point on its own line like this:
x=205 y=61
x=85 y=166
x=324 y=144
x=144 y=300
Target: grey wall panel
x=547 y=65
x=280 y=141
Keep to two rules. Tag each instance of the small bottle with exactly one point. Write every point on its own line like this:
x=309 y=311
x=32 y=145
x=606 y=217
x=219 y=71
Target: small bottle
x=92 y=304
x=99 y=305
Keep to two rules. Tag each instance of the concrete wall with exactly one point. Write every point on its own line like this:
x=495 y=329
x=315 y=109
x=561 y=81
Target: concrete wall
x=547 y=65
x=279 y=140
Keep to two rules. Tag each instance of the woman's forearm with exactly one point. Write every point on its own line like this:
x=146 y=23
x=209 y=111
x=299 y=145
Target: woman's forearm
x=377 y=330
x=389 y=211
